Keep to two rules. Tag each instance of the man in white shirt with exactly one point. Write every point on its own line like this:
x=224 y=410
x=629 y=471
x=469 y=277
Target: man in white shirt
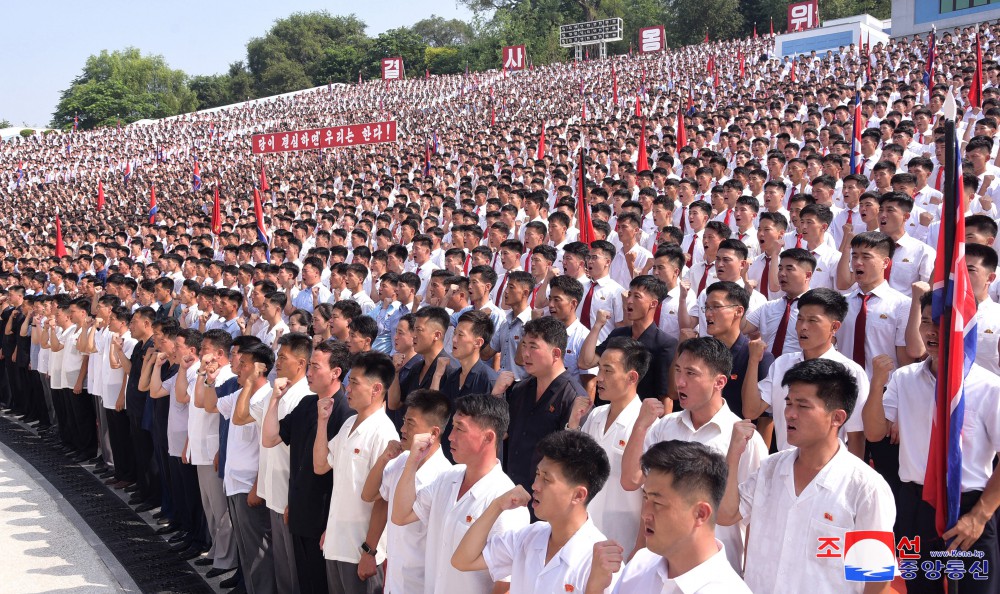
x=355 y=547
x=775 y=320
x=814 y=490
x=422 y=247
x=554 y=554
x=601 y=292
x=452 y=502
x=702 y=368
x=907 y=410
x=683 y=486
x=614 y=510
x=427 y=412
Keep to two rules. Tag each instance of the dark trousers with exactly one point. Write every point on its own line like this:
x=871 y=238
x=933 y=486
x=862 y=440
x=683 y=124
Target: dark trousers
x=37 y=396
x=162 y=458
x=309 y=564
x=884 y=458
x=61 y=404
x=18 y=388
x=146 y=473
x=187 y=501
x=5 y=391
x=915 y=518
x=84 y=422
x=119 y=433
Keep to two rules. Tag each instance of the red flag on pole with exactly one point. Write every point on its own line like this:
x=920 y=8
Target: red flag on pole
x=792 y=72
x=976 y=90
x=583 y=220
x=772 y=26
x=152 y=205
x=706 y=37
x=541 y=144
x=638 y=105
x=263 y=180
x=743 y=62
x=100 y=195
x=755 y=30
x=642 y=162
x=682 y=136
x=216 y=214
x=60 y=246
x=493 y=116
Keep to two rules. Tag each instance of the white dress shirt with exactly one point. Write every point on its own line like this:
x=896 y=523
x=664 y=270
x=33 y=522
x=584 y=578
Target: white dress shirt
x=520 y=554
x=768 y=317
x=352 y=453
x=885 y=324
x=607 y=297
x=716 y=434
x=912 y=261
x=448 y=517
x=845 y=495
x=275 y=462
x=242 y=444
x=909 y=402
x=988 y=341
x=614 y=510
x=773 y=393
x=646 y=572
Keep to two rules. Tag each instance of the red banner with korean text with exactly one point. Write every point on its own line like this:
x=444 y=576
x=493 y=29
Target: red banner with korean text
x=322 y=138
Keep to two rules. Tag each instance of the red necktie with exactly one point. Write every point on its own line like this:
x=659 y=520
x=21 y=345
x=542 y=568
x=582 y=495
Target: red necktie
x=859 y=330
x=587 y=301
x=742 y=236
x=527 y=263
x=694 y=238
x=704 y=277
x=503 y=285
x=493 y=264
x=850 y=216
x=765 y=276
x=684 y=216
x=798 y=240
x=465 y=267
x=937 y=183
x=656 y=316
x=729 y=216
x=533 y=293
x=779 y=336
x=920 y=138
x=861 y=169
x=888 y=269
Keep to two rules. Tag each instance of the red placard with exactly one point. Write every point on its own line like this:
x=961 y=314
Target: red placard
x=515 y=57
x=803 y=15
x=321 y=138
x=652 y=39
x=392 y=68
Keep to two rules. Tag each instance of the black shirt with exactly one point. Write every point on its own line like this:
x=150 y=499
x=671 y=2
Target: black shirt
x=135 y=399
x=308 y=492
x=23 y=344
x=409 y=380
x=733 y=391
x=532 y=419
x=479 y=381
x=662 y=347
x=10 y=340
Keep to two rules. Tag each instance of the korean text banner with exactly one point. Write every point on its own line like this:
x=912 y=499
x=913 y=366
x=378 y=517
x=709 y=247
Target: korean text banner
x=321 y=138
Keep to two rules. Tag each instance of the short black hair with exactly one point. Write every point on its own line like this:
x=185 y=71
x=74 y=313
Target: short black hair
x=735 y=294
x=801 y=256
x=569 y=287
x=835 y=385
x=365 y=326
x=716 y=355
x=650 y=284
x=833 y=303
x=635 y=356
x=438 y=315
x=875 y=240
x=580 y=458
x=482 y=324
x=298 y=343
x=433 y=404
x=375 y=366
x=217 y=338
x=697 y=471
x=338 y=355
x=550 y=330
x=986 y=255
x=259 y=353
x=489 y=412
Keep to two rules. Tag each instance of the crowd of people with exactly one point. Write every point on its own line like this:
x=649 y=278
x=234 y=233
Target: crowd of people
x=420 y=379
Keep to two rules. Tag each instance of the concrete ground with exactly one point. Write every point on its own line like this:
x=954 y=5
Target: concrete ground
x=46 y=546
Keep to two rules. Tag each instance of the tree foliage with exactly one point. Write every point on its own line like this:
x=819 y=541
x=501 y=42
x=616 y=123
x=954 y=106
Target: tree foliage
x=124 y=84
x=438 y=32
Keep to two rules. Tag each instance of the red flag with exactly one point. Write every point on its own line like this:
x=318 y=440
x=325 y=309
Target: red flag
x=638 y=106
x=755 y=30
x=541 y=144
x=715 y=74
x=772 y=26
x=690 y=106
x=100 y=195
x=791 y=73
x=152 y=205
x=743 y=62
x=614 y=85
x=706 y=37
x=642 y=162
x=216 y=214
x=60 y=246
x=682 y=136
x=427 y=74
x=583 y=220
x=493 y=116
x=976 y=90
x=263 y=180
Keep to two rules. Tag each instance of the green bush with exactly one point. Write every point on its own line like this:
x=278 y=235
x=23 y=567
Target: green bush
x=27 y=132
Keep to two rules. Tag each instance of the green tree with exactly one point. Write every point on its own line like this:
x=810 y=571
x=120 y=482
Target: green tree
x=444 y=60
x=401 y=42
x=342 y=62
x=689 y=21
x=240 y=82
x=439 y=32
x=5 y=124
x=211 y=90
x=294 y=53
x=124 y=84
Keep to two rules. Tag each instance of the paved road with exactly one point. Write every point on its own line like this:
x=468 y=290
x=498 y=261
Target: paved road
x=45 y=545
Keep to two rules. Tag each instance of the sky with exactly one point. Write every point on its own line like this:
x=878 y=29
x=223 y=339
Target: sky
x=47 y=44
